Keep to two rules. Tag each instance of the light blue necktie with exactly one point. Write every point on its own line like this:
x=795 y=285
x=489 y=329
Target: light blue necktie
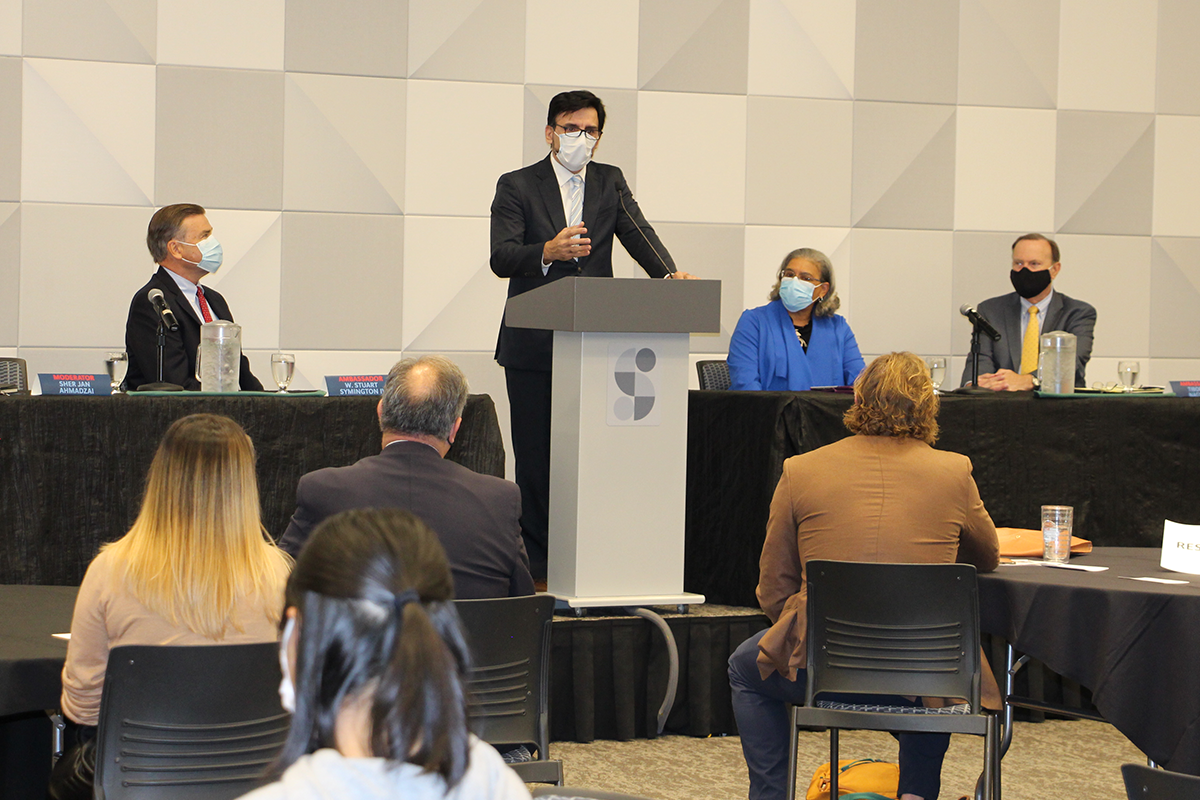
x=576 y=215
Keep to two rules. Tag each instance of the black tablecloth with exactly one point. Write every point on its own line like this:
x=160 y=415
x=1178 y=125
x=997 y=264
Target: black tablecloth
x=31 y=659
x=1125 y=463
x=1133 y=643
x=72 y=469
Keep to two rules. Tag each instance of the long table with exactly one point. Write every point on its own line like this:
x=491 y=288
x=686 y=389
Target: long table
x=1133 y=643
x=1125 y=463
x=73 y=469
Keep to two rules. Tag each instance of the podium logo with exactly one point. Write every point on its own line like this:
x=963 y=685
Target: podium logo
x=635 y=395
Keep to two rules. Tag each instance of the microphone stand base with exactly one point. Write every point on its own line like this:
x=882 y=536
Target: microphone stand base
x=159 y=387
x=972 y=390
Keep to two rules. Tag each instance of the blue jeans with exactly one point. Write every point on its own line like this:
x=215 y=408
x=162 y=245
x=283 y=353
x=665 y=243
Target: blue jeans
x=760 y=708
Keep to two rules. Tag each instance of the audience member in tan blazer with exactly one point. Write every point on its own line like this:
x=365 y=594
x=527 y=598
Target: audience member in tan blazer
x=882 y=495
x=196 y=568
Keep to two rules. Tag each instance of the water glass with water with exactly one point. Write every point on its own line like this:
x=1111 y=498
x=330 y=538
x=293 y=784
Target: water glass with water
x=118 y=365
x=1127 y=373
x=1057 y=523
x=937 y=371
x=283 y=366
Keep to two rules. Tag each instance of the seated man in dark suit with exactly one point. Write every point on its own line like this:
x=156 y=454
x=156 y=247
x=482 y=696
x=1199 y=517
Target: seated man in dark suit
x=476 y=517
x=181 y=242
x=1022 y=316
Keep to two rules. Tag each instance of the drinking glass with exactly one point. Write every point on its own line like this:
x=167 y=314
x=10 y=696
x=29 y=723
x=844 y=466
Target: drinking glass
x=937 y=371
x=1127 y=373
x=1057 y=522
x=118 y=365
x=283 y=365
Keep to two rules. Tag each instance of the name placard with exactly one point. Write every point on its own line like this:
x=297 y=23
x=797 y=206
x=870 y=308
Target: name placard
x=1186 y=388
x=70 y=383
x=346 y=385
x=1181 y=548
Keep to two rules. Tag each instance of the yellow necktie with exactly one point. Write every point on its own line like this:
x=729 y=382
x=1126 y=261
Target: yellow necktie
x=1029 y=348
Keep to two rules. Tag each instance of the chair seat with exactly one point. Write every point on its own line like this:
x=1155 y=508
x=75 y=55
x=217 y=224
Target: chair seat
x=961 y=708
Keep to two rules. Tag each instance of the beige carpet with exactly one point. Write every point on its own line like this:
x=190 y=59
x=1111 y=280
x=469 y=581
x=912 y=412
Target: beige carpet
x=1067 y=759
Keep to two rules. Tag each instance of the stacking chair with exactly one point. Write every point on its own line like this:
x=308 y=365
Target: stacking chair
x=894 y=629
x=185 y=722
x=509 y=684
x=1148 y=783
x=14 y=379
x=713 y=374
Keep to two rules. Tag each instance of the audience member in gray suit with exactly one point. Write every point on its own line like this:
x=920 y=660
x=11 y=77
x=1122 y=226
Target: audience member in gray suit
x=1035 y=265
x=476 y=517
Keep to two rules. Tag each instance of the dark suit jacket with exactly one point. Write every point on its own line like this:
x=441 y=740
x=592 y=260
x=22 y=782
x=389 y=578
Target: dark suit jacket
x=1004 y=312
x=179 y=354
x=476 y=517
x=527 y=212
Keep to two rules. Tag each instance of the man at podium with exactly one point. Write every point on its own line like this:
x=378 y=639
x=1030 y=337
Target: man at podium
x=550 y=220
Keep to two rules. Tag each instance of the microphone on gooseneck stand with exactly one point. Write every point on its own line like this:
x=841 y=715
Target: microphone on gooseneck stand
x=670 y=269
x=979 y=321
x=164 y=311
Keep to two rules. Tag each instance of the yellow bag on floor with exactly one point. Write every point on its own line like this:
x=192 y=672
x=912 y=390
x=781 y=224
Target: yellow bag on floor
x=866 y=777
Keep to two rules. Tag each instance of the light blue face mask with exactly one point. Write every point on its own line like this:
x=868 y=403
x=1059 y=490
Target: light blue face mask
x=211 y=254
x=796 y=294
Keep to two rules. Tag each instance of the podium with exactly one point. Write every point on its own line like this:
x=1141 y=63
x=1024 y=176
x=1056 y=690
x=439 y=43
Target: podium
x=618 y=441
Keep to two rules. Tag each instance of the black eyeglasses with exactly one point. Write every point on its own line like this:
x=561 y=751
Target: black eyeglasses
x=573 y=131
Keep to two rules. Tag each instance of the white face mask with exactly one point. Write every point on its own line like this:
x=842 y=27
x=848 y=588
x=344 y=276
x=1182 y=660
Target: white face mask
x=574 y=152
x=287 y=689
x=211 y=254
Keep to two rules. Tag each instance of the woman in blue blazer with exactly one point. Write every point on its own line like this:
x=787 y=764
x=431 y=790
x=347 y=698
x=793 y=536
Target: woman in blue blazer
x=796 y=341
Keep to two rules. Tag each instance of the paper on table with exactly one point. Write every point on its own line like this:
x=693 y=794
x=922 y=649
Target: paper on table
x=66 y=636
x=1029 y=562
x=1153 y=580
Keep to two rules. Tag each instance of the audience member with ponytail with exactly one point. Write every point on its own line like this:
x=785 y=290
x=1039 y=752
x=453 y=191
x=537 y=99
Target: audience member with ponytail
x=373 y=667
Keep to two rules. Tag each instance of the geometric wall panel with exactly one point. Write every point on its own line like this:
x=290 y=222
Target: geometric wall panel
x=1104 y=182
x=711 y=252
x=1020 y=34
x=97 y=30
x=365 y=37
x=615 y=23
x=1174 y=298
x=717 y=158
x=221 y=33
x=452 y=301
x=343 y=143
x=907 y=51
x=10 y=27
x=364 y=255
x=107 y=238
x=88 y=129
x=901 y=270
x=462 y=138
x=1004 y=179
x=1177 y=176
x=791 y=143
x=694 y=45
x=1178 y=65
x=802 y=48
x=903 y=165
x=10 y=129
x=249 y=276
x=469 y=40
x=10 y=272
x=618 y=146
x=982 y=262
x=1107 y=54
x=219 y=138
x=1111 y=273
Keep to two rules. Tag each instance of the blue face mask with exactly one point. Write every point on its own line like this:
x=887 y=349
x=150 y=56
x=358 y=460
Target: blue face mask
x=796 y=294
x=211 y=254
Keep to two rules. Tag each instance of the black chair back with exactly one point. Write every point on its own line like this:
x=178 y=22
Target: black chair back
x=713 y=375
x=14 y=377
x=1148 y=783
x=916 y=632
x=509 y=684
x=186 y=722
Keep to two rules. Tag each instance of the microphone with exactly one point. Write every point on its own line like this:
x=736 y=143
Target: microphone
x=164 y=311
x=621 y=196
x=979 y=321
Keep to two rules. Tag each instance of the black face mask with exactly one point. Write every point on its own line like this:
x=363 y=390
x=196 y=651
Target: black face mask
x=1029 y=283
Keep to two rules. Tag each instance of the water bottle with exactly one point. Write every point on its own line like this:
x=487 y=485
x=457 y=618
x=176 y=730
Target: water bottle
x=1056 y=364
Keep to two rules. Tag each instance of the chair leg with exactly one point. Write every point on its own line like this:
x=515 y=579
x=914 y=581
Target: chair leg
x=833 y=763
x=57 y=728
x=793 y=744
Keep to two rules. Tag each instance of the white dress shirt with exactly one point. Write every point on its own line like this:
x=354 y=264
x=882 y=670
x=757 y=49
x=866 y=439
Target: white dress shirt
x=1041 y=316
x=189 y=291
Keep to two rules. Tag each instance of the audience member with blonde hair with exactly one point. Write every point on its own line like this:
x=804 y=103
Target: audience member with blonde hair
x=374 y=666
x=197 y=567
x=881 y=495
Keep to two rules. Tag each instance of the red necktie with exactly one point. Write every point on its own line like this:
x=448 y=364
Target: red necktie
x=204 y=312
